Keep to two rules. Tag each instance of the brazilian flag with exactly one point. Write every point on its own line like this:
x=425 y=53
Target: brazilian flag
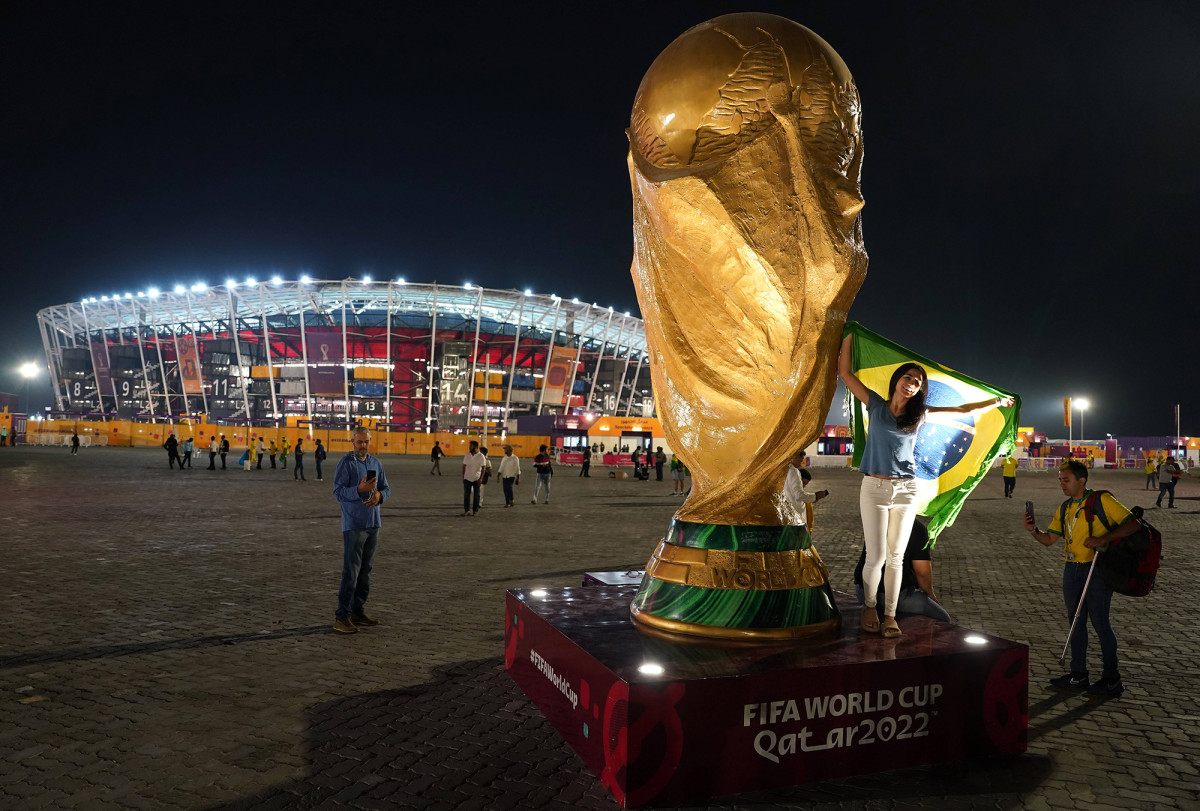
x=953 y=451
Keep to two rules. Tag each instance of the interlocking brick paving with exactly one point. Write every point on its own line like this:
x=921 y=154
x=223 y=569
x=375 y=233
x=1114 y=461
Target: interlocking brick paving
x=167 y=644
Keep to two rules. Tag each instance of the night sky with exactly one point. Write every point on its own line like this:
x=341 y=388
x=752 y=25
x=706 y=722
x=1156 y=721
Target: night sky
x=1032 y=185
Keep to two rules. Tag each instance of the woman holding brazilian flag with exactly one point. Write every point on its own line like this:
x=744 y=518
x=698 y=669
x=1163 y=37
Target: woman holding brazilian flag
x=928 y=443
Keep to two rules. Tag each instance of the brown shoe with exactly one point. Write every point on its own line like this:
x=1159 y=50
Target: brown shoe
x=891 y=629
x=363 y=619
x=344 y=627
x=870 y=619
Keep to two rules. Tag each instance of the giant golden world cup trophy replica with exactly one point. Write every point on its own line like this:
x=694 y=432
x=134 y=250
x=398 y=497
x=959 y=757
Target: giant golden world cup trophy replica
x=744 y=159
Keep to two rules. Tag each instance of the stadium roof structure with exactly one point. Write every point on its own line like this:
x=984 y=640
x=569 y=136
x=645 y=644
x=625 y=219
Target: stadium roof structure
x=129 y=354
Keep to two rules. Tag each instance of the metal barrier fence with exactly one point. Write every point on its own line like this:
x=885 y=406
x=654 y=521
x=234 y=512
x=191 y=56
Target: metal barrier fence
x=85 y=440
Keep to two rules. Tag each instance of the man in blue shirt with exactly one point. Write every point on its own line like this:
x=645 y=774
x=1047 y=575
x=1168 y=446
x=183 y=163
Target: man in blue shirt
x=360 y=486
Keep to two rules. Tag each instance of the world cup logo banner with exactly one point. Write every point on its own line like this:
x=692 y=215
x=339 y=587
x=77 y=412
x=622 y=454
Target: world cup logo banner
x=558 y=374
x=326 y=374
x=744 y=159
x=189 y=365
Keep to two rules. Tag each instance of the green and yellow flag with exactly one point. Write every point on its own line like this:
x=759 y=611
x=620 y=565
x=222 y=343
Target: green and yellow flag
x=953 y=451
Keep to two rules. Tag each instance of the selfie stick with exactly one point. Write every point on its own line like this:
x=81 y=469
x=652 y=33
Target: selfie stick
x=1079 y=608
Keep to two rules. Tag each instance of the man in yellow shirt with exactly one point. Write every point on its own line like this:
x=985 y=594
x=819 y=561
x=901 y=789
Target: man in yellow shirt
x=1009 y=469
x=1081 y=539
x=1151 y=473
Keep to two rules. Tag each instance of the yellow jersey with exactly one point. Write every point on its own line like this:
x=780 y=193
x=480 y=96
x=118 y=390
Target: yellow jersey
x=1076 y=529
x=1009 y=467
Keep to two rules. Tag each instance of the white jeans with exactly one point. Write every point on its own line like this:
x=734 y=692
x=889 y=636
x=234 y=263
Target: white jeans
x=888 y=507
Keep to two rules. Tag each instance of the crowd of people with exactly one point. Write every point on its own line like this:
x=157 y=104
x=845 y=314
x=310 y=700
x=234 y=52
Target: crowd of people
x=180 y=453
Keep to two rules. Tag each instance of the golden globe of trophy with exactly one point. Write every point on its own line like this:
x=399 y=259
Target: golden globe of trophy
x=744 y=159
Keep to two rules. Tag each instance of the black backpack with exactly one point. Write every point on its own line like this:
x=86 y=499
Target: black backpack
x=1129 y=565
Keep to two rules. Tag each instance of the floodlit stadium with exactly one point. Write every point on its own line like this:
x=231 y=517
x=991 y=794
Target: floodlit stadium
x=415 y=357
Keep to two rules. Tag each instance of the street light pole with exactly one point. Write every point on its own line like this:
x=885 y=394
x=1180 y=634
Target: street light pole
x=28 y=371
x=1082 y=405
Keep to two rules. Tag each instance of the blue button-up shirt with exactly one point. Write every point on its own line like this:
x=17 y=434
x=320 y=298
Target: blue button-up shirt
x=350 y=471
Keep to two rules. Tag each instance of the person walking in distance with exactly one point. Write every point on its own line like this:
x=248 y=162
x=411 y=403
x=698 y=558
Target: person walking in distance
x=660 y=459
x=274 y=451
x=888 y=496
x=262 y=452
x=75 y=443
x=587 y=463
x=543 y=465
x=318 y=456
x=1008 y=469
x=1081 y=539
x=284 y=447
x=213 y=447
x=185 y=453
x=486 y=475
x=171 y=446
x=435 y=456
x=298 y=472
x=360 y=486
x=1151 y=473
x=473 y=465
x=676 y=476
x=224 y=450
x=510 y=474
x=1169 y=474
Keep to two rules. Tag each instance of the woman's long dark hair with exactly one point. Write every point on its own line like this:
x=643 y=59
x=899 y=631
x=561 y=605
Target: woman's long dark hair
x=914 y=409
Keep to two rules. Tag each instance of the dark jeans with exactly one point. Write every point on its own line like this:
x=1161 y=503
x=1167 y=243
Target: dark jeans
x=1097 y=603
x=318 y=467
x=1151 y=481
x=212 y=461
x=507 y=484
x=186 y=456
x=272 y=461
x=222 y=461
x=1010 y=484
x=358 y=556
x=587 y=465
x=658 y=466
x=1167 y=487
x=298 y=473
x=468 y=489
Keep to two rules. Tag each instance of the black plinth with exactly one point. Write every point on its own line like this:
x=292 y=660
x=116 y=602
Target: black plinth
x=662 y=721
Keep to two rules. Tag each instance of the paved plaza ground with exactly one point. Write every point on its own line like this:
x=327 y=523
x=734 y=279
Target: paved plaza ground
x=167 y=643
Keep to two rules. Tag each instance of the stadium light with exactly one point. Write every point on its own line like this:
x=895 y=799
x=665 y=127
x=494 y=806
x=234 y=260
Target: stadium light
x=104 y=298
x=199 y=287
x=467 y=285
x=400 y=280
x=366 y=279
x=180 y=290
x=129 y=295
x=141 y=294
x=28 y=370
x=305 y=280
x=574 y=301
x=152 y=292
x=528 y=292
x=250 y=282
x=231 y=284
x=1082 y=404
x=276 y=280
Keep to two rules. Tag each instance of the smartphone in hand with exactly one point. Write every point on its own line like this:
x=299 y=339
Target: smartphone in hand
x=370 y=475
x=1029 y=510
